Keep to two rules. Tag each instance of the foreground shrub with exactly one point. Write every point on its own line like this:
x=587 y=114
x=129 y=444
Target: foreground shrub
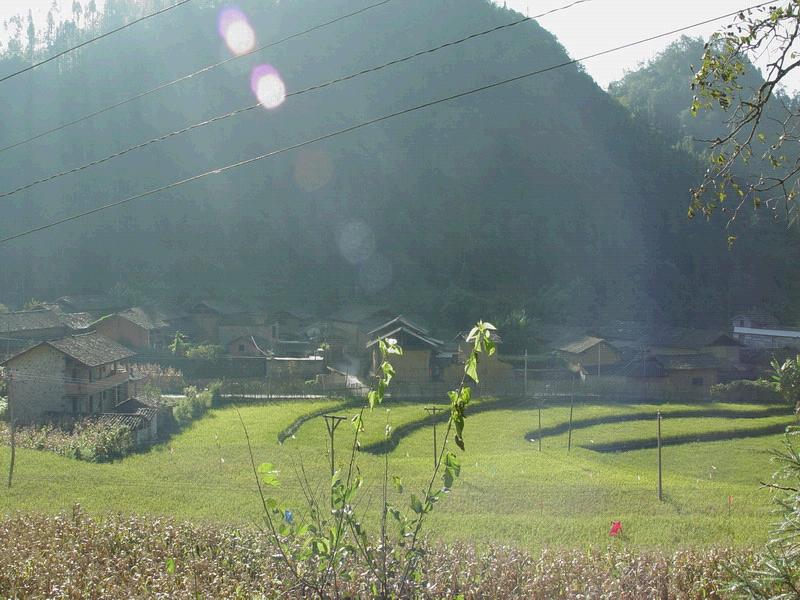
x=124 y=557
x=84 y=440
x=744 y=390
x=776 y=572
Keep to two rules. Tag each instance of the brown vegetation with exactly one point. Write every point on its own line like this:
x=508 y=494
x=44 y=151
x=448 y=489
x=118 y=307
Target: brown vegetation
x=77 y=556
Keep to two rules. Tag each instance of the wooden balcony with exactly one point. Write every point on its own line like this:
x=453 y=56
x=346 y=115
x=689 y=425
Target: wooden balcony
x=97 y=386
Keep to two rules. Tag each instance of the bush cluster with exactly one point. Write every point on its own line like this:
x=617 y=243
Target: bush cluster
x=83 y=440
x=196 y=403
x=745 y=390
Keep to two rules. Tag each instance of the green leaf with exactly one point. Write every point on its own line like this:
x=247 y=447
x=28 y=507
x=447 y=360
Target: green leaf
x=465 y=395
x=357 y=422
x=374 y=398
x=471 y=368
x=268 y=475
x=398 y=483
x=171 y=566
x=416 y=505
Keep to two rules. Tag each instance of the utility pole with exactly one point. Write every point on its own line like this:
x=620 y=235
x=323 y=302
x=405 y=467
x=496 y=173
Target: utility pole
x=540 y=424
x=332 y=422
x=571 y=406
x=433 y=410
x=12 y=426
x=660 y=490
x=526 y=373
x=598 y=358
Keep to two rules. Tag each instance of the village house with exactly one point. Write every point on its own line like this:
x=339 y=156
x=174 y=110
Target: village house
x=591 y=353
x=288 y=323
x=138 y=327
x=208 y=317
x=96 y=305
x=347 y=329
x=77 y=375
x=248 y=345
x=664 y=375
x=418 y=363
x=758 y=329
x=20 y=329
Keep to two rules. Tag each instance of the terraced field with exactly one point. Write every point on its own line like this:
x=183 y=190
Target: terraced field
x=715 y=455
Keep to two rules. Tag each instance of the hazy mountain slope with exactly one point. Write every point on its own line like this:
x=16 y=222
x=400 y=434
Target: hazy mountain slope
x=542 y=194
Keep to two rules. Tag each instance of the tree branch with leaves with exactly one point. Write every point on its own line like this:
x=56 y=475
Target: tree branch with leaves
x=755 y=161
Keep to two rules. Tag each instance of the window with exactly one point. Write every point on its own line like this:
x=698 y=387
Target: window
x=697 y=381
x=76 y=405
x=91 y=404
x=241 y=347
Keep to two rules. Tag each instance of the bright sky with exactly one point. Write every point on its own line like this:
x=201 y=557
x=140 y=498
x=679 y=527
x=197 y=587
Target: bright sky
x=583 y=29
x=602 y=24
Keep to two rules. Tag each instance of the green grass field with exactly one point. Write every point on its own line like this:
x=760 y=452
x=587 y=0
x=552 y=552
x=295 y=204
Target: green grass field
x=509 y=492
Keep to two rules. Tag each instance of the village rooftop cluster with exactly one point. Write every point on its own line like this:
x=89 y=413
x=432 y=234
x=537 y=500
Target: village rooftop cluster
x=87 y=356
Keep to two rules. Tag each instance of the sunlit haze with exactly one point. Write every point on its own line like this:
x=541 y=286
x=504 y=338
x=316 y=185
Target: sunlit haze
x=583 y=29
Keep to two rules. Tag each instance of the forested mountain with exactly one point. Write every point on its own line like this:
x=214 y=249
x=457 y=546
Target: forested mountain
x=544 y=195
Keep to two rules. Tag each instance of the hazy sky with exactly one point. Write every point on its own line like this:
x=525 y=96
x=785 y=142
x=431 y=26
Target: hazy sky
x=583 y=29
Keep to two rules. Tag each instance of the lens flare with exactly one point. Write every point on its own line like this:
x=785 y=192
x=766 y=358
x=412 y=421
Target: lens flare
x=356 y=242
x=235 y=29
x=267 y=85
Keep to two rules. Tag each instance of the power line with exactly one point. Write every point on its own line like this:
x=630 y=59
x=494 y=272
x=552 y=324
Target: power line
x=191 y=75
x=248 y=108
x=363 y=124
x=92 y=40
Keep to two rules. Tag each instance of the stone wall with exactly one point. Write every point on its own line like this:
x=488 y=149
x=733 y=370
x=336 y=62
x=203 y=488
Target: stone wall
x=37 y=384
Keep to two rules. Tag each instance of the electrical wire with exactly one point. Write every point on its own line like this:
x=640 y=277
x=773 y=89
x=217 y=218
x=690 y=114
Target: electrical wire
x=250 y=107
x=191 y=75
x=92 y=40
x=363 y=124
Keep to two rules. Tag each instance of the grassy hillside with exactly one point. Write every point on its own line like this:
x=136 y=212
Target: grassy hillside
x=508 y=493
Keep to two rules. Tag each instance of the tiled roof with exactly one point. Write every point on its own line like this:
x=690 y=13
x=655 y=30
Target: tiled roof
x=657 y=335
x=91 y=349
x=758 y=316
x=581 y=345
x=436 y=344
x=29 y=320
x=131 y=421
x=146 y=318
x=400 y=320
x=87 y=302
x=137 y=406
x=220 y=307
x=77 y=321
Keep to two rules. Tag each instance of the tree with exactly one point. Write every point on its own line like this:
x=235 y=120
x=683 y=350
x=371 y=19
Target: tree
x=178 y=345
x=786 y=377
x=752 y=161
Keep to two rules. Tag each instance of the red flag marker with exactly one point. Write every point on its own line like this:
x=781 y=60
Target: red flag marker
x=616 y=528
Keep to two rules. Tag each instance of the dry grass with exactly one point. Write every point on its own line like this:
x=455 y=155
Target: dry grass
x=76 y=556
